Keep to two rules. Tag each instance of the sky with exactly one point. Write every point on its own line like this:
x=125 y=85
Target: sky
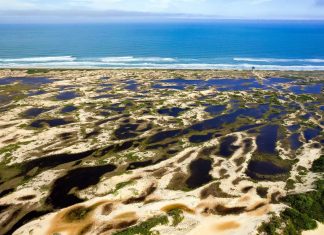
x=25 y=11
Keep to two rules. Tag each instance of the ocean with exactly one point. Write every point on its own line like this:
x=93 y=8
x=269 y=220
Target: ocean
x=279 y=45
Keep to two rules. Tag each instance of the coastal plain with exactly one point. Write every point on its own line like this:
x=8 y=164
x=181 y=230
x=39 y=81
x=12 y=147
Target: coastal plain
x=174 y=152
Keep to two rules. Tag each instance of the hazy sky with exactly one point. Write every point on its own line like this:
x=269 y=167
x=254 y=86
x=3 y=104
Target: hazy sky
x=101 y=10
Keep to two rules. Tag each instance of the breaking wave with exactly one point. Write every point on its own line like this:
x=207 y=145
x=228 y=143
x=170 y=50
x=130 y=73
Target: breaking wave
x=40 y=59
x=274 y=60
x=137 y=59
x=163 y=63
x=88 y=64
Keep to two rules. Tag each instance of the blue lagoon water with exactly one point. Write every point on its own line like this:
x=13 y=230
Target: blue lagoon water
x=219 y=44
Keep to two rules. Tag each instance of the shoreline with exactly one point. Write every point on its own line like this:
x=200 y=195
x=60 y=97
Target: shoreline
x=164 y=68
x=151 y=69
x=155 y=73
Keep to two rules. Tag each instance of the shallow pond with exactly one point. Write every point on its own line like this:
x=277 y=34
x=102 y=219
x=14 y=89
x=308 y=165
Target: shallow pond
x=223 y=84
x=258 y=168
x=131 y=85
x=295 y=142
x=229 y=84
x=27 y=80
x=126 y=131
x=267 y=139
x=36 y=92
x=307 y=89
x=201 y=138
x=34 y=112
x=294 y=128
x=163 y=135
x=174 y=112
x=80 y=178
x=68 y=109
x=311 y=133
x=199 y=173
x=174 y=87
x=248 y=127
x=69 y=95
x=104 y=96
x=215 y=109
x=50 y=122
x=219 y=121
x=227 y=147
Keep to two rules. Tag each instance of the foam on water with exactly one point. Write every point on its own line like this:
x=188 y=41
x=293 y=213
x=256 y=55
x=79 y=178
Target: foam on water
x=40 y=59
x=99 y=63
x=137 y=59
x=274 y=60
x=192 y=45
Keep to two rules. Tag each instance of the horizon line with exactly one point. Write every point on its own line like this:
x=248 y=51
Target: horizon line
x=111 y=16
x=167 y=20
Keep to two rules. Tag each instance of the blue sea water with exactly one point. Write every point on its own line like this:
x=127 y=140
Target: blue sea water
x=194 y=45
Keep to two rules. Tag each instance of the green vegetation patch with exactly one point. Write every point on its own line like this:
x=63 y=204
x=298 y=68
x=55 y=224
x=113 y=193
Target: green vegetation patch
x=297 y=221
x=304 y=210
x=318 y=165
x=262 y=191
x=290 y=222
x=9 y=149
x=304 y=98
x=14 y=92
x=145 y=227
x=34 y=71
x=290 y=184
x=273 y=158
x=271 y=227
x=122 y=185
x=79 y=213
x=178 y=182
x=310 y=203
x=274 y=100
x=214 y=190
x=177 y=216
